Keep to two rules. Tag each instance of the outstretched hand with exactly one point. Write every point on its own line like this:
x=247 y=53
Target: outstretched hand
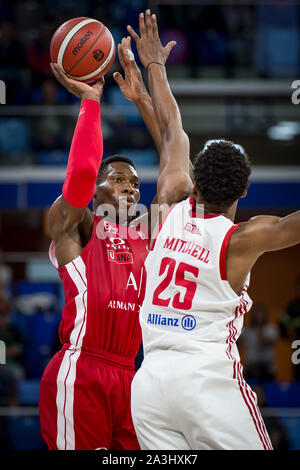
x=148 y=43
x=132 y=86
x=82 y=90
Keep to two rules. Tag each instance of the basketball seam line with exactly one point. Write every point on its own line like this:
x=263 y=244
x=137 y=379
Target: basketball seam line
x=75 y=65
x=71 y=34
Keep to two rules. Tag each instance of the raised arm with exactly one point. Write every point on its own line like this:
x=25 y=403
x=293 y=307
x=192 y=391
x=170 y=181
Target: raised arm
x=174 y=183
x=133 y=88
x=70 y=220
x=259 y=235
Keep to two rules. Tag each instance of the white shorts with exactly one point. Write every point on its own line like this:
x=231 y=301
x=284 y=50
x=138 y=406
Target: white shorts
x=195 y=401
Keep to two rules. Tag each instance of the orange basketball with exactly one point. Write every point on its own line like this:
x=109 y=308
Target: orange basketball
x=83 y=48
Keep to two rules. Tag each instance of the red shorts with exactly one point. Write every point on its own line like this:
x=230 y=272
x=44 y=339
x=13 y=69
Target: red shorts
x=84 y=401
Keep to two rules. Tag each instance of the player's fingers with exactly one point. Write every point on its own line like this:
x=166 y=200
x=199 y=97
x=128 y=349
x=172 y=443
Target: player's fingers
x=126 y=43
x=148 y=24
x=59 y=70
x=53 y=69
x=58 y=74
x=99 y=83
x=118 y=78
x=154 y=26
x=142 y=25
x=133 y=34
x=124 y=46
x=63 y=76
x=129 y=42
x=121 y=56
x=130 y=57
x=169 y=47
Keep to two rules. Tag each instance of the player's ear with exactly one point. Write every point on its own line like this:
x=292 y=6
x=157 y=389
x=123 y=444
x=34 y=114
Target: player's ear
x=195 y=191
x=244 y=193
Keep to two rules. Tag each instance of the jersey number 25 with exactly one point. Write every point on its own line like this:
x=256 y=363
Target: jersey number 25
x=169 y=265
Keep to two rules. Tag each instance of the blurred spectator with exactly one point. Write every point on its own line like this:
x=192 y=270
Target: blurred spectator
x=12 y=60
x=289 y=322
x=48 y=133
x=276 y=51
x=275 y=428
x=8 y=387
x=8 y=398
x=258 y=342
x=5 y=277
x=38 y=54
x=50 y=93
x=11 y=336
x=180 y=51
x=8 y=379
x=11 y=49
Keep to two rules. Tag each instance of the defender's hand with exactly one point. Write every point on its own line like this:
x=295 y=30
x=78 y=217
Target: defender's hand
x=148 y=45
x=83 y=91
x=132 y=86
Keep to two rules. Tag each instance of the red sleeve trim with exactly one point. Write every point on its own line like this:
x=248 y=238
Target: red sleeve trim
x=223 y=251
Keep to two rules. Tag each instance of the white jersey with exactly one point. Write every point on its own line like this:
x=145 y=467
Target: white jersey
x=189 y=392
x=188 y=300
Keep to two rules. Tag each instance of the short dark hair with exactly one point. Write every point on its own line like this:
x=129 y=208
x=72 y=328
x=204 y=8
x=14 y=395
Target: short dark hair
x=221 y=172
x=113 y=158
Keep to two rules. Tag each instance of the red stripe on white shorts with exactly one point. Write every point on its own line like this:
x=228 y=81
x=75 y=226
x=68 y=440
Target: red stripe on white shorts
x=247 y=393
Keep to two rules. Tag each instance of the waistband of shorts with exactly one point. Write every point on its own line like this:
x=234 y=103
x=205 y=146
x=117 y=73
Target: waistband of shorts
x=110 y=358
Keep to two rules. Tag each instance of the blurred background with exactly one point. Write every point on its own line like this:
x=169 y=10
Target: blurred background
x=233 y=73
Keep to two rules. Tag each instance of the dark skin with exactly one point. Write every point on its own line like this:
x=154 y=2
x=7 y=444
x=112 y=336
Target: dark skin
x=71 y=227
x=251 y=239
x=119 y=180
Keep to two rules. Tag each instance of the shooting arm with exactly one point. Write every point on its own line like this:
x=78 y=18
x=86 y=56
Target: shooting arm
x=70 y=209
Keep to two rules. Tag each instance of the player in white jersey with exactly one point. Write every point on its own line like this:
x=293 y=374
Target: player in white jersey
x=190 y=392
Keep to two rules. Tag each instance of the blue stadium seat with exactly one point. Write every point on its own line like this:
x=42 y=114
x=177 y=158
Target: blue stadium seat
x=25 y=287
x=52 y=157
x=292 y=428
x=41 y=270
x=146 y=157
x=213 y=48
x=28 y=391
x=43 y=329
x=21 y=322
x=9 y=129
x=283 y=394
x=116 y=99
x=24 y=433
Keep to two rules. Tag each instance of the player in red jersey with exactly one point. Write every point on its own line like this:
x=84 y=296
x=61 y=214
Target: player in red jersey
x=85 y=389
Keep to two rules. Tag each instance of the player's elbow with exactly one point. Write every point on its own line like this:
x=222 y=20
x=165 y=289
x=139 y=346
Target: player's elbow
x=174 y=192
x=175 y=135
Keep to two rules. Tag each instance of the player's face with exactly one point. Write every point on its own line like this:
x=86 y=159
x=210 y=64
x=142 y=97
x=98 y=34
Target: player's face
x=119 y=186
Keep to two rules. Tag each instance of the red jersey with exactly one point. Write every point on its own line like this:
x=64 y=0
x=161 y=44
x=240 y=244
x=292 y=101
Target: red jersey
x=104 y=289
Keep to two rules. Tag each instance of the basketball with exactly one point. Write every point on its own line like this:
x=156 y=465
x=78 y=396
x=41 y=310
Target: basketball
x=83 y=48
